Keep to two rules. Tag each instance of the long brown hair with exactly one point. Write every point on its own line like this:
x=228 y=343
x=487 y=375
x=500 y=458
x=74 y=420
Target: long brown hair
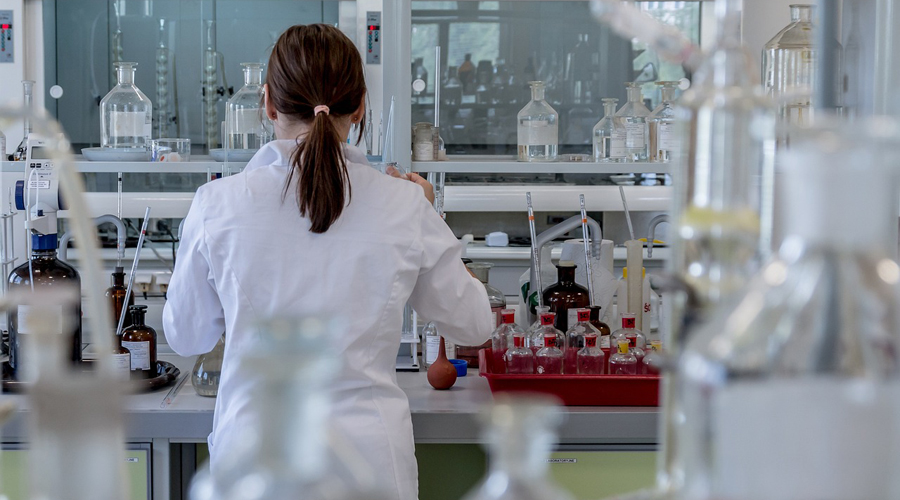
x=310 y=66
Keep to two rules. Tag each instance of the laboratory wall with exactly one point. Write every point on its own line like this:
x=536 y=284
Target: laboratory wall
x=27 y=63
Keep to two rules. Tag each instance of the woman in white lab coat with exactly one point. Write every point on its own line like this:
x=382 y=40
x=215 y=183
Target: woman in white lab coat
x=309 y=228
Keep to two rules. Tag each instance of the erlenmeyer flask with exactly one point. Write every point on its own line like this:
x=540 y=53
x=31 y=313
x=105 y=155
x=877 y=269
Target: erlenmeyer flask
x=520 y=433
x=208 y=370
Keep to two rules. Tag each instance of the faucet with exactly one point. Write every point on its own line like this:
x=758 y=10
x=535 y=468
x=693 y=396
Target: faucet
x=120 y=236
x=659 y=219
x=559 y=230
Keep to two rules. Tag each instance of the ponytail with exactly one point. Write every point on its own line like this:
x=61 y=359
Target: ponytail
x=322 y=175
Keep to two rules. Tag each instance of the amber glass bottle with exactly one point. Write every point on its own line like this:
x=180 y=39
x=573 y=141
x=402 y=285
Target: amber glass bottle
x=116 y=295
x=140 y=339
x=565 y=296
x=603 y=340
x=47 y=271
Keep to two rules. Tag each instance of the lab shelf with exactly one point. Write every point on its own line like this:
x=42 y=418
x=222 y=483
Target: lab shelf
x=202 y=165
x=509 y=165
x=504 y=197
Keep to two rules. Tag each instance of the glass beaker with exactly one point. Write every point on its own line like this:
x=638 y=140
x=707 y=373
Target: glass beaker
x=810 y=348
x=633 y=116
x=789 y=67
x=520 y=433
x=663 y=137
x=126 y=114
x=538 y=128
x=609 y=134
x=208 y=370
x=245 y=118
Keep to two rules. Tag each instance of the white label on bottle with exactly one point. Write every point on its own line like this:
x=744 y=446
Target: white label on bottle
x=807 y=439
x=667 y=139
x=140 y=354
x=604 y=342
x=432 y=345
x=24 y=328
x=122 y=365
x=129 y=124
x=635 y=135
x=617 y=143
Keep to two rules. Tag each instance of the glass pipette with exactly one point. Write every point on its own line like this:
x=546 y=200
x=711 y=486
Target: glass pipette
x=137 y=258
x=535 y=254
x=587 y=250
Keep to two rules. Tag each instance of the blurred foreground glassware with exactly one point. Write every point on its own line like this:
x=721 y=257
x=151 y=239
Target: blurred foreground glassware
x=208 y=370
x=519 y=431
x=126 y=114
x=789 y=67
x=538 y=128
x=663 y=137
x=811 y=348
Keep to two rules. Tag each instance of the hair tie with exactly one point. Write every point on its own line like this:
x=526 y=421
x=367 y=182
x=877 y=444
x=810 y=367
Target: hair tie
x=321 y=108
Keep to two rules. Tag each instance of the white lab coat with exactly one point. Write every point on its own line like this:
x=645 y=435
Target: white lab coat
x=246 y=254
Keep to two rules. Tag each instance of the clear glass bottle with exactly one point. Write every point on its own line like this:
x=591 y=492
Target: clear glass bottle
x=126 y=114
x=47 y=271
x=566 y=296
x=538 y=128
x=501 y=337
x=590 y=359
x=519 y=358
x=140 y=340
x=245 y=113
x=533 y=334
x=452 y=93
x=208 y=370
x=537 y=336
x=519 y=432
x=663 y=137
x=629 y=332
x=811 y=343
x=580 y=67
x=575 y=338
x=623 y=361
x=432 y=341
x=549 y=359
x=653 y=361
x=609 y=134
x=482 y=271
x=633 y=116
x=789 y=66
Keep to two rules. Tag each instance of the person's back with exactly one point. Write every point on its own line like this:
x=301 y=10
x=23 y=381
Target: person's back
x=300 y=232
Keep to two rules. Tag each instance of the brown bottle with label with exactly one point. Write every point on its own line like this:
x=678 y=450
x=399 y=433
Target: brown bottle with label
x=140 y=339
x=47 y=271
x=116 y=295
x=565 y=295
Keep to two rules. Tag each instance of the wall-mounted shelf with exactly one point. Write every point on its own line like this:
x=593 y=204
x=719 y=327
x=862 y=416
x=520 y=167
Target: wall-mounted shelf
x=504 y=197
x=201 y=165
x=509 y=165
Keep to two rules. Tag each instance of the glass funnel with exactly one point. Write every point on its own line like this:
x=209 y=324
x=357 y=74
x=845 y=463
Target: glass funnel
x=126 y=114
x=633 y=116
x=609 y=134
x=770 y=386
x=208 y=370
x=519 y=432
x=789 y=67
x=538 y=128
x=245 y=120
x=663 y=137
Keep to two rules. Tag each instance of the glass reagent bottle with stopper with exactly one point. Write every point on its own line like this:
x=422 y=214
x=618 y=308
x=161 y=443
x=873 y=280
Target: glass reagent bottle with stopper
x=623 y=362
x=549 y=359
x=482 y=270
x=519 y=358
x=590 y=358
x=609 y=134
x=634 y=117
x=48 y=271
x=546 y=328
x=245 y=119
x=538 y=128
x=140 y=339
x=116 y=295
x=663 y=137
x=533 y=338
x=502 y=337
x=126 y=114
x=575 y=339
x=789 y=66
x=566 y=296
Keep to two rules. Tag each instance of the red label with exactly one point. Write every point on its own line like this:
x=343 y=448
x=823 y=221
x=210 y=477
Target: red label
x=628 y=322
x=547 y=319
x=584 y=315
x=509 y=316
x=519 y=341
x=646 y=308
x=590 y=341
x=549 y=340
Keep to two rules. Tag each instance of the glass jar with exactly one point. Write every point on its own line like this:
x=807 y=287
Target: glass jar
x=140 y=340
x=208 y=370
x=566 y=296
x=663 y=137
x=789 y=66
x=519 y=432
x=770 y=385
x=482 y=270
x=245 y=118
x=609 y=134
x=126 y=115
x=423 y=142
x=633 y=116
x=538 y=128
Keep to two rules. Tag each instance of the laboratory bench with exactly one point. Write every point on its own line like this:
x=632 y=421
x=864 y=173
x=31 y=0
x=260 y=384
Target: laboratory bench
x=439 y=418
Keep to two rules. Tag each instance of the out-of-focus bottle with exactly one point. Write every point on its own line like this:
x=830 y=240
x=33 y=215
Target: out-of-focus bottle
x=245 y=112
x=575 y=338
x=549 y=359
x=519 y=359
x=609 y=134
x=789 y=67
x=140 y=339
x=537 y=337
x=47 y=271
x=2 y=146
x=482 y=270
x=519 y=432
x=566 y=296
x=538 y=128
x=502 y=336
x=633 y=116
x=663 y=137
x=653 y=360
x=590 y=359
x=601 y=327
x=208 y=371
x=126 y=114
x=452 y=93
x=580 y=65
x=623 y=361
x=432 y=342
